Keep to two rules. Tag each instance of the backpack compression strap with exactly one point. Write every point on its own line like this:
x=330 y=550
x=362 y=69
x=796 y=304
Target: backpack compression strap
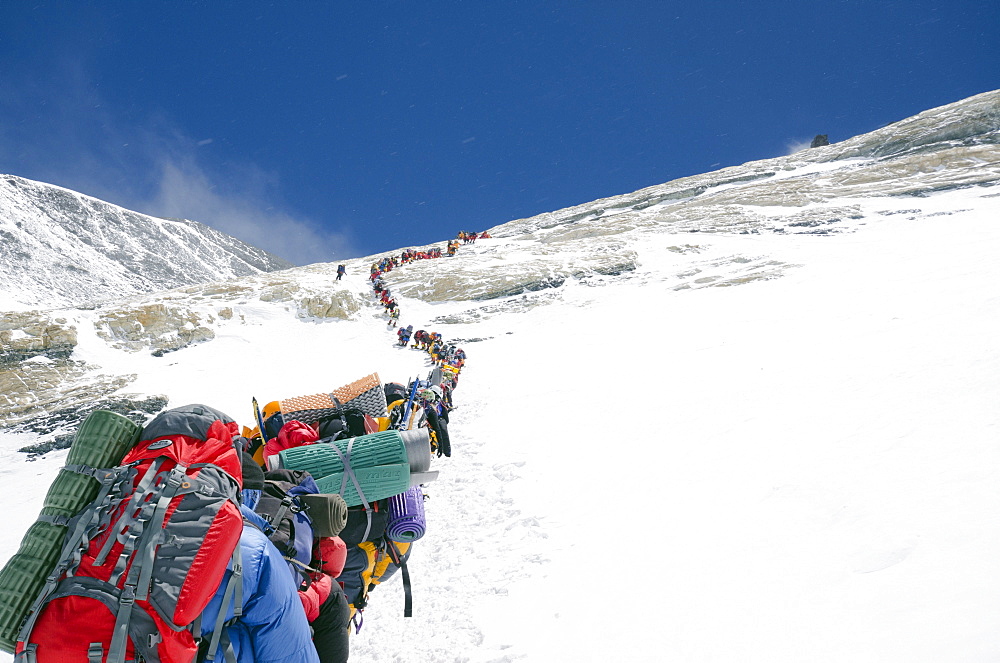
x=400 y=561
x=77 y=538
x=235 y=585
x=349 y=472
x=144 y=536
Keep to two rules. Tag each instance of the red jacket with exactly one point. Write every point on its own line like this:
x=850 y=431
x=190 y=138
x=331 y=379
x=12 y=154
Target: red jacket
x=330 y=555
x=292 y=434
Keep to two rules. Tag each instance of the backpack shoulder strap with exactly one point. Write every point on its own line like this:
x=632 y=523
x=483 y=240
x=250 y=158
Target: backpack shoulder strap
x=234 y=588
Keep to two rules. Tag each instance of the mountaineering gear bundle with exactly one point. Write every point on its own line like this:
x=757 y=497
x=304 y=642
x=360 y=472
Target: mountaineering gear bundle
x=369 y=467
x=140 y=563
x=297 y=515
x=364 y=394
x=371 y=563
x=412 y=407
x=328 y=513
x=437 y=420
x=395 y=392
x=142 y=529
x=289 y=525
x=378 y=474
x=352 y=404
x=101 y=441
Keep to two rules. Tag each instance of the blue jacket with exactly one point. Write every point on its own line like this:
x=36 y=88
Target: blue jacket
x=273 y=628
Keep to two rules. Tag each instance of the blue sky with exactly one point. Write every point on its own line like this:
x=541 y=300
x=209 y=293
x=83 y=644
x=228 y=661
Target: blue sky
x=326 y=130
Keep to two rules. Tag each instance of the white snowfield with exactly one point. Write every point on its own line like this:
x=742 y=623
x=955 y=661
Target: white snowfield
x=802 y=465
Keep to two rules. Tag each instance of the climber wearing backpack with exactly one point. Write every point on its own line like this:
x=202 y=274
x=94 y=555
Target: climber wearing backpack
x=330 y=617
x=404 y=334
x=161 y=565
x=273 y=501
x=436 y=414
x=272 y=625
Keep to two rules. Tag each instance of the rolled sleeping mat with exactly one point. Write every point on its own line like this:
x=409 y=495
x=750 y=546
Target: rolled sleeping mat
x=407 y=521
x=418 y=448
x=376 y=483
x=328 y=513
x=386 y=448
x=101 y=441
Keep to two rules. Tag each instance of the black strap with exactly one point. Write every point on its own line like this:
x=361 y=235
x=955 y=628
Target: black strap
x=400 y=561
x=283 y=508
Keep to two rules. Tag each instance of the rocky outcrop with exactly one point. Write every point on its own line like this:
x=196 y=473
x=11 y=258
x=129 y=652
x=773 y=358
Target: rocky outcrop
x=309 y=302
x=158 y=327
x=28 y=334
x=33 y=391
x=338 y=305
x=56 y=428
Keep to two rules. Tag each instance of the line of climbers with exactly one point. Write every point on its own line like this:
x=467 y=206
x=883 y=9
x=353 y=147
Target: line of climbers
x=190 y=539
x=470 y=238
x=436 y=393
x=388 y=302
x=446 y=357
x=387 y=264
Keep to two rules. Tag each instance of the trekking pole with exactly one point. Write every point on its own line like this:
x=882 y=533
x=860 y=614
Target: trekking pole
x=409 y=403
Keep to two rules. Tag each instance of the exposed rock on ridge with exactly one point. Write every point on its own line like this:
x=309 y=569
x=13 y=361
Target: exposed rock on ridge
x=28 y=334
x=953 y=146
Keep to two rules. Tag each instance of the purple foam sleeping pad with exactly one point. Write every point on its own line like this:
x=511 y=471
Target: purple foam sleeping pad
x=406 y=516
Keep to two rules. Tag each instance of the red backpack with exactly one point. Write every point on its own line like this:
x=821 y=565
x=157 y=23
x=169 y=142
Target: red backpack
x=144 y=559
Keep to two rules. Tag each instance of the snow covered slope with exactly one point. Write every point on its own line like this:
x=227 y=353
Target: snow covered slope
x=752 y=420
x=61 y=248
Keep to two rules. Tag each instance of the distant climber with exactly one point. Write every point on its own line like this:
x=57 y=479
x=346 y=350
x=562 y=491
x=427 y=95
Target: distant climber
x=403 y=334
x=341 y=270
x=820 y=140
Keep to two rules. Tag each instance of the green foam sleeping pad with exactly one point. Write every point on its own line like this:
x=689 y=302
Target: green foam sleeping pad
x=101 y=441
x=376 y=483
x=320 y=460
